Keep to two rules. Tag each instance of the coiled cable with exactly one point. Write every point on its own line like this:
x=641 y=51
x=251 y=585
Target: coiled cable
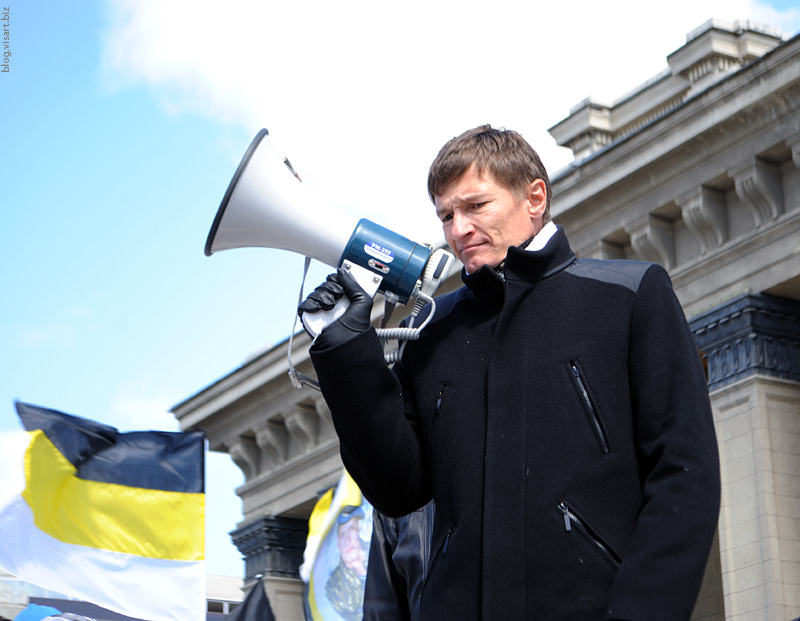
x=409 y=333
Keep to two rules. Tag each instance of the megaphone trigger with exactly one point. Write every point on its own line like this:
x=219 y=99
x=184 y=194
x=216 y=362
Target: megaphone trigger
x=314 y=323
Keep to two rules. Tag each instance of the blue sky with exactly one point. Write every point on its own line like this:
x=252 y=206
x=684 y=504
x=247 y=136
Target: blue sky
x=123 y=122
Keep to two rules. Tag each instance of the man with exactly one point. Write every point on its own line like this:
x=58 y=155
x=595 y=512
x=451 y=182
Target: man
x=554 y=408
x=345 y=585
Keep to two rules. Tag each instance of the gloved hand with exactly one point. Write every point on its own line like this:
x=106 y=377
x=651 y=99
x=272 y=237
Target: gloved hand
x=323 y=298
x=354 y=320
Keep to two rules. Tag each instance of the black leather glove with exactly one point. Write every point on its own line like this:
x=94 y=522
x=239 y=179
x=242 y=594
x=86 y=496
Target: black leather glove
x=354 y=320
x=323 y=298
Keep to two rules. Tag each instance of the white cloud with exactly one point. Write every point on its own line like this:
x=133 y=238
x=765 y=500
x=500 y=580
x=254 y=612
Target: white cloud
x=787 y=19
x=58 y=335
x=12 y=455
x=81 y=312
x=132 y=409
x=62 y=329
x=361 y=95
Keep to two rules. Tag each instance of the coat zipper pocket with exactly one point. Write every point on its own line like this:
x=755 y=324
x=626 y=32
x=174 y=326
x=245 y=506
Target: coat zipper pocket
x=441 y=552
x=436 y=411
x=591 y=410
x=447 y=541
x=573 y=522
x=438 y=408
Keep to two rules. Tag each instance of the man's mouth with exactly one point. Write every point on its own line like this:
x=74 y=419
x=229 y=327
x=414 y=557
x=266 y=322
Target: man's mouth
x=469 y=248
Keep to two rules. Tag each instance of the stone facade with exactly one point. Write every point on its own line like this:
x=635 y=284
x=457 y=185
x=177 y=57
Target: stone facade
x=699 y=170
x=752 y=347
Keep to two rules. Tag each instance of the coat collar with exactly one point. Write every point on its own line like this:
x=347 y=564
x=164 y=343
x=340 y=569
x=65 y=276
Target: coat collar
x=522 y=265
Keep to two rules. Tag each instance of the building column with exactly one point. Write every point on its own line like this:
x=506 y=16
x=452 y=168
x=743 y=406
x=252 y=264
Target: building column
x=752 y=348
x=273 y=548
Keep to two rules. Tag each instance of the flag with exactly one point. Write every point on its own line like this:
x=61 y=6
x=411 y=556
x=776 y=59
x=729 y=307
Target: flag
x=254 y=608
x=116 y=519
x=335 y=559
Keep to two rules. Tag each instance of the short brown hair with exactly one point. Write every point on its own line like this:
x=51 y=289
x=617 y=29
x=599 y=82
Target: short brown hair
x=504 y=153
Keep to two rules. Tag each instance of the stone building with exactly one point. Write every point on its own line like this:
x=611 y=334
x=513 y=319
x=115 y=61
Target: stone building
x=698 y=169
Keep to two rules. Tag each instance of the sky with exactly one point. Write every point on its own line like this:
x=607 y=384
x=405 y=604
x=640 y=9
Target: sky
x=123 y=121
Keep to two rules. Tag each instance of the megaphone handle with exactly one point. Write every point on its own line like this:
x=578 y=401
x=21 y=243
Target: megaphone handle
x=314 y=323
x=369 y=281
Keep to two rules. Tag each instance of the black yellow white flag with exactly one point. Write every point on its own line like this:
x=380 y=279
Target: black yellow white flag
x=116 y=519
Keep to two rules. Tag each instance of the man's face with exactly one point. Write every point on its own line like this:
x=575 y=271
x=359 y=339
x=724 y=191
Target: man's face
x=349 y=543
x=481 y=218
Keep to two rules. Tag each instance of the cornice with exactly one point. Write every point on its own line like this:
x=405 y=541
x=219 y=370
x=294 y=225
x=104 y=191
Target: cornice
x=712 y=52
x=749 y=334
x=726 y=256
x=762 y=91
x=252 y=376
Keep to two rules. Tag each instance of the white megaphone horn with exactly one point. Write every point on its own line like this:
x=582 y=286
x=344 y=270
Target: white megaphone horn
x=266 y=206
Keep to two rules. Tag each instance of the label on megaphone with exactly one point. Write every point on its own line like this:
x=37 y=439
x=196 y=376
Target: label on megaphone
x=369 y=281
x=398 y=260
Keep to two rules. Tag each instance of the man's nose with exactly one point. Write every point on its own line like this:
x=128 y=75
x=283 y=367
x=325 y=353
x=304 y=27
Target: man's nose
x=462 y=225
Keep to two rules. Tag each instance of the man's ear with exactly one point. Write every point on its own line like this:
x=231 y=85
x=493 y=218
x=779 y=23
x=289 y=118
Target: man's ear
x=537 y=199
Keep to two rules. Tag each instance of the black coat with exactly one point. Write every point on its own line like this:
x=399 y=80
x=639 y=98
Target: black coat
x=560 y=419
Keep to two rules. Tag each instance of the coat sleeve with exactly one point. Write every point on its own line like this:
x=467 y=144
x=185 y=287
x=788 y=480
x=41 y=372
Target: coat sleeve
x=662 y=569
x=373 y=417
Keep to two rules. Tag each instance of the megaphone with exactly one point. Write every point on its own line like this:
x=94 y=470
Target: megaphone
x=267 y=206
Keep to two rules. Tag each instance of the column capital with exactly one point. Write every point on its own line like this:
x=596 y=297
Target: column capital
x=749 y=334
x=272 y=546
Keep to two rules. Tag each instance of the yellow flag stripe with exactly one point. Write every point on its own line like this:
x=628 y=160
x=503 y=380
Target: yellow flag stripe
x=143 y=522
x=317 y=519
x=352 y=494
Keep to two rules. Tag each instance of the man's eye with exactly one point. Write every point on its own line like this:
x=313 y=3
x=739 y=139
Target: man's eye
x=447 y=217
x=479 y=205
